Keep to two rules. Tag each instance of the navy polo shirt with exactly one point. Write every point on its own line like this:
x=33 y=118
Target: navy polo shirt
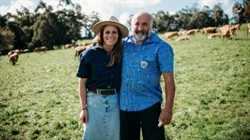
x=93 y=66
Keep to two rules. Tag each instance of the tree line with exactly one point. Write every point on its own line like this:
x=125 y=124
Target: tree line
x=26 y=30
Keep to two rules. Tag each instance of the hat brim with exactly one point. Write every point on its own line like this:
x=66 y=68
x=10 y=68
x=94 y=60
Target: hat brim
x=124 y=30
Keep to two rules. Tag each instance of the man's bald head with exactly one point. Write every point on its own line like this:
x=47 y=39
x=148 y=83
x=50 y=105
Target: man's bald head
x=143 y=14
x=142 y=23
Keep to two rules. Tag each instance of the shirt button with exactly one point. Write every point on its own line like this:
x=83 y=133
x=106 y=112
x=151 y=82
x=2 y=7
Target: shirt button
x=108 y=86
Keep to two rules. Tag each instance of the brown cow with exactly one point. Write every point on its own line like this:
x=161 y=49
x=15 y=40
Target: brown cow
x=237 y=26
x=68 y=46
x=232 y=32
x=183 y=32
x=227 y=31
x=209 y=30
x=16 y=51
x=10 y=53
x=24 y=50
x=40 y=49
x=191 y=32
x=81 y=48
x=213 y=35
x=13 y=58
x=171 y=34
x=224 y=31
x=186 y=37
x=248 y=28
x=84 y=46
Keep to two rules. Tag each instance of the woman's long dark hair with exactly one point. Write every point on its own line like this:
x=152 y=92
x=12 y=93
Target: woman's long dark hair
x=117 y=52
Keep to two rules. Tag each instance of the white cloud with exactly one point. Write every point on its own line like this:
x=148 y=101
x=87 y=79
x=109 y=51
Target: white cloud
x=172 y=12
x=104 y=8
x=17 y=4
x=228 y=10
x=123 y=18
x=139 y=3
x=211 y=3
x=3 y=10
x=53 y=3
x=226 y=5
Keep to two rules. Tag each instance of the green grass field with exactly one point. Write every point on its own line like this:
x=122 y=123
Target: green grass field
x=39 y=99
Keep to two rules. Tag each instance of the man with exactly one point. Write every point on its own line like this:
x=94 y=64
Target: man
x=146 y=58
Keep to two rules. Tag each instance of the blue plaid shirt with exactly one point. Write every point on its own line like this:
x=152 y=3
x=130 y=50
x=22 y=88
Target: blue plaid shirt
x=142 y=67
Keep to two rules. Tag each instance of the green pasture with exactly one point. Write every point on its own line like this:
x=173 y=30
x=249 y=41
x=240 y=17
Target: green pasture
x=39 y=99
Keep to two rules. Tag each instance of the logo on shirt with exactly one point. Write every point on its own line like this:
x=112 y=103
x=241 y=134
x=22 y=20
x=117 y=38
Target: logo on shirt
x=144 y=64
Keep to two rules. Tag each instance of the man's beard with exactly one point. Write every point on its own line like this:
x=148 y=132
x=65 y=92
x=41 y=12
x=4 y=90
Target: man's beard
x=141 y=35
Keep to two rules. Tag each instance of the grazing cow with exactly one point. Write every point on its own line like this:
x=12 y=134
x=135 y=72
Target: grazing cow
x=16 y=51
x=13 y=58
x=68 y=46
x=191 y=32
x=237 y=26
x=232 y=32
x=209 y=30
x=227 y=31
x=213 y=35
x=186 y=37
x=81 y=48
x=224 y=31
x=183 y=32
x=196 y=30
x=248 y=28
x=25 y=50
x=171 y=34
x=40 y=49
x=10 y=53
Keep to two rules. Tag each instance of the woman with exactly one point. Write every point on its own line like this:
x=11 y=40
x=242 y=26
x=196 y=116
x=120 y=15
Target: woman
x=99 y=74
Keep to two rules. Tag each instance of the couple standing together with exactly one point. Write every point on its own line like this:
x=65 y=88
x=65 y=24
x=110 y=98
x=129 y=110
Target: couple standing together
x=119 y=89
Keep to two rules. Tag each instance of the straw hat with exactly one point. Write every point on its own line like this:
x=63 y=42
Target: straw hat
x=111 y=21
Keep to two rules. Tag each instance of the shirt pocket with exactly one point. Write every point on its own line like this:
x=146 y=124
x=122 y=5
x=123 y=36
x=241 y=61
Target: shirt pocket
x=99 y=71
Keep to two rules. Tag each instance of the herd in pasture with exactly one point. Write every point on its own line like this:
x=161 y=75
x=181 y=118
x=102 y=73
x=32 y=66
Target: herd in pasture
x=14 y=54
x=210 y=32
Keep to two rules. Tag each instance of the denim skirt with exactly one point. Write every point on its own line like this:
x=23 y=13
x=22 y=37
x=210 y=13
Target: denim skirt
x=103 y=117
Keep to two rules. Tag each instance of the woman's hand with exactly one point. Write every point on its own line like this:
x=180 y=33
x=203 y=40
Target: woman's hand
x=83 y=116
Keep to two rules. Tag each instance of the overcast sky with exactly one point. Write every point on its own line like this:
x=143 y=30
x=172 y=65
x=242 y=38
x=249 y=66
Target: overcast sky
x=120 y=8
